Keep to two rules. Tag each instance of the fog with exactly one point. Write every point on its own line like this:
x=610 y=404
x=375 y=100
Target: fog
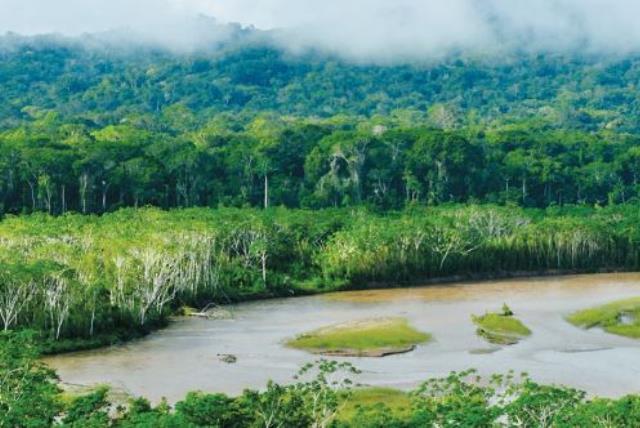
x=378 y=30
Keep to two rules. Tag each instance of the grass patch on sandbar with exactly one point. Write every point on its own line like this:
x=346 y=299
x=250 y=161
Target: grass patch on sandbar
x=621 y=317
x=366 y=338
x=501 y=328
x=397 y=402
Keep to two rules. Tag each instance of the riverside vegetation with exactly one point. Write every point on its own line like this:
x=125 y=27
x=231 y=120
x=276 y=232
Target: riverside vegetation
x=324 y=394
x=83 y=281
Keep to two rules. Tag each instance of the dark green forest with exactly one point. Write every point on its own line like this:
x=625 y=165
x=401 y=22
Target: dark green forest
x=90 y=128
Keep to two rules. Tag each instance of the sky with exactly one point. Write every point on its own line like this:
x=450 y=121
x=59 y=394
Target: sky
x=359 y=29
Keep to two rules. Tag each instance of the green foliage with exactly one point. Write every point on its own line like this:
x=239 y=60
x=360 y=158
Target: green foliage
x=542 y=406
x=93 y=129
x=140 y=414
x=213 y=410
x=86 y=281
x=457 y=400
x=375 y=407
x=249 y=76
x=506 y=311
x=28 y=392
x=55 y=167
x=90 y=410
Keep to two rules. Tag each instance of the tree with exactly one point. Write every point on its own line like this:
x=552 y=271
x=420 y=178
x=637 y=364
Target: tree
x=214 y=410
x=156 y=286
x=17 y=290
x=325 y=393
x=27 y=387
x=278 y=407
x=89 y=410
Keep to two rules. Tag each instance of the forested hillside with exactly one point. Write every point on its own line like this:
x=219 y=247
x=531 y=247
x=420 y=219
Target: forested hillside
x=93 y=127
x=102 y=83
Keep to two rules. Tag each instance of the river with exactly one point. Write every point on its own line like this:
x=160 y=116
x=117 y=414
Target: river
x=184 y=356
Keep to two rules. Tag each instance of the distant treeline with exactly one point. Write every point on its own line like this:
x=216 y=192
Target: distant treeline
x=98 y=278
x=55 y=166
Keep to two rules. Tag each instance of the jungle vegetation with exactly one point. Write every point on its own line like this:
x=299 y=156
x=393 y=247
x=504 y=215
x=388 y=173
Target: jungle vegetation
x=54 y=165
x=91 y=127
x=85 y=280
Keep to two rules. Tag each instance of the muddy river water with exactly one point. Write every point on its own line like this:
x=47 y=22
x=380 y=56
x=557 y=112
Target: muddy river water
x=183 y=357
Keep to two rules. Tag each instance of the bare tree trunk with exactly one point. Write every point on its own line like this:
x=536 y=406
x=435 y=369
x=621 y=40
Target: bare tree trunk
x=33 y=195
x=48 y=199
x=63 y=199
x=93 y=319
x=264 y=267
x=13 y=299
x=105 y=188
x=84 y=183
x=266 y=191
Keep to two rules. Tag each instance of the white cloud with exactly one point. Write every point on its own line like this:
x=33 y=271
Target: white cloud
x=362 y=29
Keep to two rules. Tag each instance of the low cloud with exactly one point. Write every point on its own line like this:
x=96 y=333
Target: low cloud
x=379 y=30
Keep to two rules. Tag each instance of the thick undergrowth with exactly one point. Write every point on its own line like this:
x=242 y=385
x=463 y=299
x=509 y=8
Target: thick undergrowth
x=84 y=281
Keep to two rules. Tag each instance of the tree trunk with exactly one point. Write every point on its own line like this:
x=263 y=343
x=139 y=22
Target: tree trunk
x=266 y=191
x=63 y=199
x=49 y=197
x=33 y=195
x=93 y=319
x=105 y=188
x=84 y=183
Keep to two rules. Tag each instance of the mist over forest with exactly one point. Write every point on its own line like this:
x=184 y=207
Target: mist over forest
x=364 y=31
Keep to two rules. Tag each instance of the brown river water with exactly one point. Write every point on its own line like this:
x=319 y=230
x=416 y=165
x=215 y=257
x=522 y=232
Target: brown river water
x=183 y=357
